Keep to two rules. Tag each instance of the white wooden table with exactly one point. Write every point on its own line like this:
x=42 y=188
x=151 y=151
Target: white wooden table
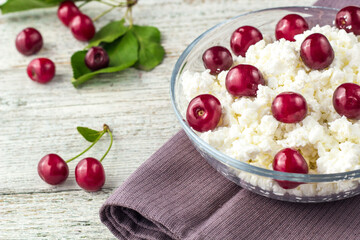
x=39 y=119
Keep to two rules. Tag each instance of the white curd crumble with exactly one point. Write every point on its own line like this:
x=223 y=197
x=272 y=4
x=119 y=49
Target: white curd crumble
x=248 y=132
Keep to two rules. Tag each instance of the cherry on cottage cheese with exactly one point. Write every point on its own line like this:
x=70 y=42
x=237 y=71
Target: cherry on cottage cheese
x=291 y=161
x=289 y=26
x=316 y=52
x=243 y=80
x=217 y=59
x=289 y=107
x=346 y=100
x=204 y=113
x=242 y=38
x=348 y=19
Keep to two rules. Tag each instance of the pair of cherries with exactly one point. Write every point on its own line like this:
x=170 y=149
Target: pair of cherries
x=89 y=172
x=81 y=25
x=28 y=42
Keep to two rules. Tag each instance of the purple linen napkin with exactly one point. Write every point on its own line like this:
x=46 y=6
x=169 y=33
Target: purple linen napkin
x=175 y=194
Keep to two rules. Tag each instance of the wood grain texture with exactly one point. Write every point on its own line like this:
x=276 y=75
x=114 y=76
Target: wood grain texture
x=39 y=119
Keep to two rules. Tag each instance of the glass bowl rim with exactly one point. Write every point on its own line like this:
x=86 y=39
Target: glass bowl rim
x=243 y=166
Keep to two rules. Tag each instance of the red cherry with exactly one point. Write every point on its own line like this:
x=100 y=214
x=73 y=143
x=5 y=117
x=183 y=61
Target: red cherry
x=242 y=38
x=217 y=59
x=289 y=26
x=41 y=70
x=66 y=11
x=289 y=107
x=90 y=174
x=29 y=41
x=96 y=58
x=316 y=52
x=291 y=161
x=346 y=100
x=243 y=80
x=348 y=19
x=53 y=169
x=203 y=113
x=82 y=27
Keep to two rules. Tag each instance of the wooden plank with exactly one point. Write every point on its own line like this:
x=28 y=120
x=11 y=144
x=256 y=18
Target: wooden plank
x=63 y=215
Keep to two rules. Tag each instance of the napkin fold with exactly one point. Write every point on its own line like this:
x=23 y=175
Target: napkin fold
x=175 y=194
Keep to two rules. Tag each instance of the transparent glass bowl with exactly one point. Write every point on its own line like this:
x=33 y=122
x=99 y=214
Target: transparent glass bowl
x=315 y=187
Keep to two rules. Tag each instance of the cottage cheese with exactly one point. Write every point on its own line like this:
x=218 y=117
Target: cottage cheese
x=248 y=131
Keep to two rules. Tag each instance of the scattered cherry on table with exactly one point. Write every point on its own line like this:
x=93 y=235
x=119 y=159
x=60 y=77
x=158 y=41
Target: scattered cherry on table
x=96 y=58
x=53 y=169
x=289 y=107
x=90 y=174
x=316 y=52
x=348 y=19
x=82 y=27
x=346 y=100
x=217 y=59
x=243 y=80
x=203 y=113
x=291 y=161
x=29 y=41
x=242 y=38
x=66 y=11
x=289 y=26
x=41 y=70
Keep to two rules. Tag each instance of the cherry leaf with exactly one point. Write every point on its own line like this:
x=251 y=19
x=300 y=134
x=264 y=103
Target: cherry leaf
x=21 y=5
x=89 y=134
x=151 y=53
x=109 y=33
x=78 y=64
x=123 y=53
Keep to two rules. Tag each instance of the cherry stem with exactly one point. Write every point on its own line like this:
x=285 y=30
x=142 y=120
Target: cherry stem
x=104 y=13
x=87 y=149
x=107 y=129
x=128 y=16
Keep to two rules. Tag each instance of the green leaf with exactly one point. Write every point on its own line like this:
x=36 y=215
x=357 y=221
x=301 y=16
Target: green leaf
x=109 y=33
x=123 y=53
x=151 y=53
x=21 y=5
x=78 y=64
x=147 y=33
x=89 y=134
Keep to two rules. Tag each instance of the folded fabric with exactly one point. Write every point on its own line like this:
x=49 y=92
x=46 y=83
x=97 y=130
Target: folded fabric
x=175 y=194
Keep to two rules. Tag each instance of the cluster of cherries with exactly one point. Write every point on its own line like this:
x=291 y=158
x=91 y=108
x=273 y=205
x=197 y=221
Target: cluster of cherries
x=29 y=42
x=89 y=172
x=204 y=111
